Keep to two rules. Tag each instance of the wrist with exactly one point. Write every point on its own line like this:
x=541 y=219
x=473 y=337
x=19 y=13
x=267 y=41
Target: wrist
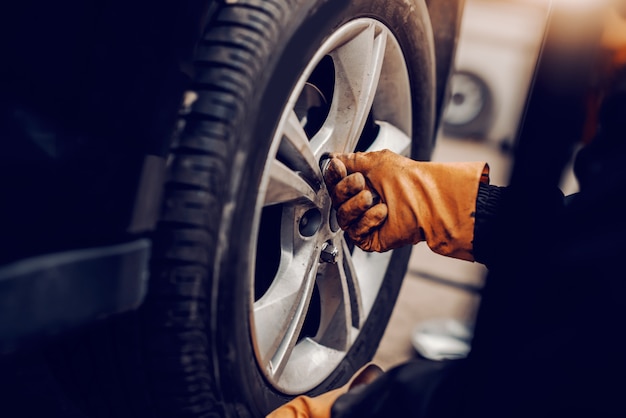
x=452 y=194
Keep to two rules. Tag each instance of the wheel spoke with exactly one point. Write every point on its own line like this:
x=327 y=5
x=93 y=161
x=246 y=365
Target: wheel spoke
x=295 y=151
x=358 y=61
x=285 y=185
x=280 y=313
x=349 y=274
x=335 y=328
x=283 y=311
x=309 y=359
x=370 y=268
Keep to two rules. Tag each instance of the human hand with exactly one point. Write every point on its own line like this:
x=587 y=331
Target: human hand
x=320 y=406
x=419 y=201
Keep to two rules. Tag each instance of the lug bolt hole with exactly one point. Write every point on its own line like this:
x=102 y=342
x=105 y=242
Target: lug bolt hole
x=310 y=222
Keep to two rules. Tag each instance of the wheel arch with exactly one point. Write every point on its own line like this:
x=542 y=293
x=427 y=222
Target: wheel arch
x=444 y=14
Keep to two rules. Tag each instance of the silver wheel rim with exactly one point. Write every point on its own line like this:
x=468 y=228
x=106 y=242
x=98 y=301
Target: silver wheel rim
x=320 y=290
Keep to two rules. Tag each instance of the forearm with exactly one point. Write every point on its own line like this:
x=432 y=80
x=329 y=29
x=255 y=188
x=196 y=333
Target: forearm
x=506 y=216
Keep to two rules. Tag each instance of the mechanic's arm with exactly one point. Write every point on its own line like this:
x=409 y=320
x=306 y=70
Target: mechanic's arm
x=419 y=201
x=450 y=206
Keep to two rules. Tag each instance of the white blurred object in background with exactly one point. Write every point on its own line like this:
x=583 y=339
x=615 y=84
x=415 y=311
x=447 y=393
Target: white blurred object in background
x=498 y=47
x=442 y=338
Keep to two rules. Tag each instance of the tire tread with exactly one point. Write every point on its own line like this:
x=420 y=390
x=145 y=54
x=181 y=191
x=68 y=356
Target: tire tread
x=177 y=305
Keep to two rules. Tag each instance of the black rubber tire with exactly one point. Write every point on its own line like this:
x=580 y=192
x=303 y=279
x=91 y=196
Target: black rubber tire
x=188 y=351
x=476 y=123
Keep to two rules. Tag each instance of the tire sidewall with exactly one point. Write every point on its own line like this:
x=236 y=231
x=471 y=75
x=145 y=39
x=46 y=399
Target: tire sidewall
x=301 y=34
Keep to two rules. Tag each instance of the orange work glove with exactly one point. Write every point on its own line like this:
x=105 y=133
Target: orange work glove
x=419 y=201
x=319 y=406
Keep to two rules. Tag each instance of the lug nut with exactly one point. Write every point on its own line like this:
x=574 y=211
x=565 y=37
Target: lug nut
x=329 y=254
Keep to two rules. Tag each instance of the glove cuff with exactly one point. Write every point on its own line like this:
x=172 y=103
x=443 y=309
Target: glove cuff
x=450 y=211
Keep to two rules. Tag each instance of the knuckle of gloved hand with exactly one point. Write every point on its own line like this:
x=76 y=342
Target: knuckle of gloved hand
x=342 y=218
x=362 y=201
x=349 y=186
x=354 y=208
x=364 y=242
x=390 y=158
x=361 y=230
x=345 y=216
x=367 y=230
x=362 y=214
x=335 y=171
x=376 y=215
x=350 y=161
x=369 y=222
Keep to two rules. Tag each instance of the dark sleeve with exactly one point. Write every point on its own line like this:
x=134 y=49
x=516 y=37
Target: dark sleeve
x=510 y=217
x=487 y=206
x=501 y=212
x=419 y=388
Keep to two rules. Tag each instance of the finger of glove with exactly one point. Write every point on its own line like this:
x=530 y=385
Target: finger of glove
x=373 y=166
x=352 y=161
x=347 y=188
x=368 y=163
x=334 y=172
x=354 y=208
x=371 y=220
x=364 y=162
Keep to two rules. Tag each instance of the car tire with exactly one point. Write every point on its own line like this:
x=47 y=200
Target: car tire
x=202 y=344
x=470 y=108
